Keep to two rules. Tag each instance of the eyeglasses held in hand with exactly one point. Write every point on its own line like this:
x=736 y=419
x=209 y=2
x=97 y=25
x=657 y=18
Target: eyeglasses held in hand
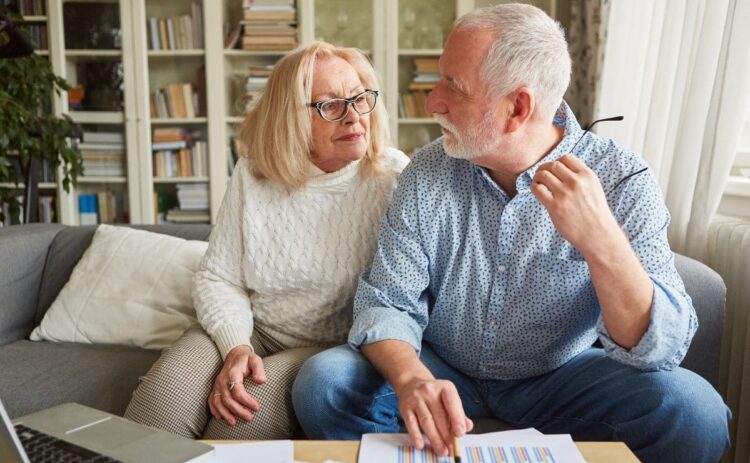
x=589 y=127
x=336 y=109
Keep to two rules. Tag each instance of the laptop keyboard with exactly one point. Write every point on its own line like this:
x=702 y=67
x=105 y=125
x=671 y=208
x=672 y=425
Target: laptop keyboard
x=43 y=448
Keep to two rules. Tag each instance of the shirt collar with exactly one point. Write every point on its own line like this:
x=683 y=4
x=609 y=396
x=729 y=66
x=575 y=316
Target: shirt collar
x=564 y=118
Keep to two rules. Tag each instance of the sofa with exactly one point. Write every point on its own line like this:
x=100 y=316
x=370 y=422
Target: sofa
x=37 y=260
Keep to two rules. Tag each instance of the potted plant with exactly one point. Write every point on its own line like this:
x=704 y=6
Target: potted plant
x=30 y=132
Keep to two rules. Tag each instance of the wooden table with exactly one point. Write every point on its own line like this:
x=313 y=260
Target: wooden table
x=317 y=451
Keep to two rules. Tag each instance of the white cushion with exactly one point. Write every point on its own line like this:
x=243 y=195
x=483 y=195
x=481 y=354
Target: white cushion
x=131 y=287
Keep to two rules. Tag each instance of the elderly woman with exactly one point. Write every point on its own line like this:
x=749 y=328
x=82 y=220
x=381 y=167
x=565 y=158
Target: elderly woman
x=297 y=225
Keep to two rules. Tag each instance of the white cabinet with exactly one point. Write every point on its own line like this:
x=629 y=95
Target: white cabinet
x=393 y=33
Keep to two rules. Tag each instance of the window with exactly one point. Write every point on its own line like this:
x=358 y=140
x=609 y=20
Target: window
x=736 y=199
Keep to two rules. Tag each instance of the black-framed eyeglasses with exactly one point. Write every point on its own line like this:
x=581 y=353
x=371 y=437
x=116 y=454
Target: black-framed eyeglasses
x=588 y=128
x=336 y=109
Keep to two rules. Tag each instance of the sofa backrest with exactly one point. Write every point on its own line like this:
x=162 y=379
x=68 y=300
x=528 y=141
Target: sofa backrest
x=23 y=251
x=69 y=245
x=37 y=261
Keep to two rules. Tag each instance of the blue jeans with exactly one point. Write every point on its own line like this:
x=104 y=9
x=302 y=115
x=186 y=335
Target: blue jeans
x=663 y=416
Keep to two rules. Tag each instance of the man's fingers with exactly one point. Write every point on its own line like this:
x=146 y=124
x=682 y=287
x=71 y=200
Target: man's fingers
x=542 y=193
x=563 y=172
x=427 y=423
x=412 y=427
x=548 y=179
x=451 y=402
x=469 y=424
x=573 y=163
x=442 y=422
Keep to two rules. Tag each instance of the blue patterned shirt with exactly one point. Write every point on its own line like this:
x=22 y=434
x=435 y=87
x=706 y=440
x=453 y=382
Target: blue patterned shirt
x=488 y=282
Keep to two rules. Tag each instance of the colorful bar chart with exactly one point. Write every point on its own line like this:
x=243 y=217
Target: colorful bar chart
x=408 y=454
x=508 y=455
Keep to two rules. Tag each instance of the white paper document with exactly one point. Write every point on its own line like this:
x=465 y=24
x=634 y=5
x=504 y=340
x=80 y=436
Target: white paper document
x=275 y=451
x=525 y=445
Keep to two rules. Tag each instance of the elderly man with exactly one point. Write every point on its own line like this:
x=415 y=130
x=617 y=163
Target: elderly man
x=509 y=249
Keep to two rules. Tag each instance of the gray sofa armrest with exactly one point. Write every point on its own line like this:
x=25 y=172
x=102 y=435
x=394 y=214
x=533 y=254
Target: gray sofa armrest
x=708 y=292
x=23 y=253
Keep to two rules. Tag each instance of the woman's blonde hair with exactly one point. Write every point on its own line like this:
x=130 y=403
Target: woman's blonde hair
x=277 y=132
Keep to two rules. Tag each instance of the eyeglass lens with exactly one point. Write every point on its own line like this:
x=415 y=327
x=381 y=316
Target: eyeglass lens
x=336 y=109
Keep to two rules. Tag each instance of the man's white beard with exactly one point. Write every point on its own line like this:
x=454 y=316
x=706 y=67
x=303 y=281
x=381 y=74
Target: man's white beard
x=475 y=142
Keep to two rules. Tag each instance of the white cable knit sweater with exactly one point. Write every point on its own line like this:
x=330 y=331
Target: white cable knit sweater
x=290 y=263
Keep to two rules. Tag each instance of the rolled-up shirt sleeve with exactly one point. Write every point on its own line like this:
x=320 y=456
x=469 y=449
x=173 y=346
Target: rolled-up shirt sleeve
x=645 y=218
x=392 y=300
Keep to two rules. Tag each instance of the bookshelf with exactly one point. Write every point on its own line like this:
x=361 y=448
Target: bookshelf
x=35 y=18
x=393 y=33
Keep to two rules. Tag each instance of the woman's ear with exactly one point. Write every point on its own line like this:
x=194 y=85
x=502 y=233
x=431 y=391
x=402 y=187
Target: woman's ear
x=521 y=104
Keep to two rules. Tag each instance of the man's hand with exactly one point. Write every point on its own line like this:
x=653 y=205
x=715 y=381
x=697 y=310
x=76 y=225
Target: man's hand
x=229 y=399
x=575 y=201
x=434 y=408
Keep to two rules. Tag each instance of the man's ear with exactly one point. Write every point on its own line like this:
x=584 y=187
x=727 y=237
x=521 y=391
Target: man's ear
x=521 y=105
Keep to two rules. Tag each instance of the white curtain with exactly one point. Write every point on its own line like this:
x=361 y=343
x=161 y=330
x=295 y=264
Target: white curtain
x=679 y=71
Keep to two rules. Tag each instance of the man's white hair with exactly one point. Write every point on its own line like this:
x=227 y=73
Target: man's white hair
x=529 y=50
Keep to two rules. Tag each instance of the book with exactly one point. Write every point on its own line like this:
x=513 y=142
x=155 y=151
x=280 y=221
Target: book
x=153 y=27
x=269 y=15
x=104 y=137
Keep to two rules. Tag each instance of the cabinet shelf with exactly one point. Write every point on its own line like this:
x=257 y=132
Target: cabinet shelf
x=40 y=185
x=97 y=117
x=218 y=76
x=93 y=53
x=95 y=180
x=183 y=52
x=180 y=180
x=178 y=120
x=246 y=53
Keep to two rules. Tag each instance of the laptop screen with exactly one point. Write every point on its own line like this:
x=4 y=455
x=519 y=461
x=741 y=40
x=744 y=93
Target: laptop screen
x=11 y=450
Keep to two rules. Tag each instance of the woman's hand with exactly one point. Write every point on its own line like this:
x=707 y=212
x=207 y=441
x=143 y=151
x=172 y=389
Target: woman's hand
x=229 y=399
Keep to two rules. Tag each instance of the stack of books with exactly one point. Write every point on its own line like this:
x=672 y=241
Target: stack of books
x=103 y=154
x=178 y=154
x=269 y=25
x=102 y=207
x=256 y=81
x=38 y=35
x=178 y=32
x=193 y=204
x=426 y=76
x=178 y=100
x=28 y=7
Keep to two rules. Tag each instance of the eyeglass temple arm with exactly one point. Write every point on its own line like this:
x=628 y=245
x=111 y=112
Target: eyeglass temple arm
x=588 y=128
x=591 y=125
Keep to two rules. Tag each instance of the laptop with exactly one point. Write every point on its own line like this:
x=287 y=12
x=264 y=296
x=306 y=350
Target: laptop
x=74 y=432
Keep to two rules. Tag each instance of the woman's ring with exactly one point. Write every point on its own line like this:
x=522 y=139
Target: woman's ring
x=232 y=384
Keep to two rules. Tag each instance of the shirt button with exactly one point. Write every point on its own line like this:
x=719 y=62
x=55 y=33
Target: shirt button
x=493 y=322
x=502 y=268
